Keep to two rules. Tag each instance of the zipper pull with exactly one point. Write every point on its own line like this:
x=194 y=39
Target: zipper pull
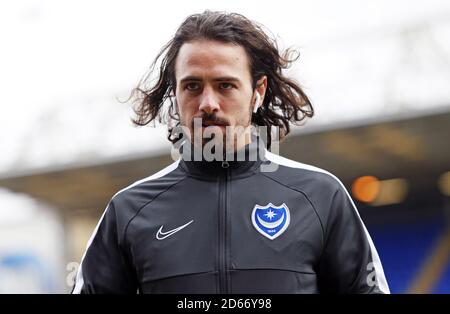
x=225 y=164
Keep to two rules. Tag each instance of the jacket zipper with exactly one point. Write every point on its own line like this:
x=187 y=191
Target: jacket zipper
x=223 y=215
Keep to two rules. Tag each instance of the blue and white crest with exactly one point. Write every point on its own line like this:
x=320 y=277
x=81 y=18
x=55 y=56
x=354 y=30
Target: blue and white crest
x=271 y=221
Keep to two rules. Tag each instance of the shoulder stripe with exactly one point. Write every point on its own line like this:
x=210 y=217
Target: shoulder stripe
x=79 y=278
x=383 y=285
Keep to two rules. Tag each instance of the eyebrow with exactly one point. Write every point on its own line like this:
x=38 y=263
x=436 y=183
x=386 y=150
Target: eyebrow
x=217 y=79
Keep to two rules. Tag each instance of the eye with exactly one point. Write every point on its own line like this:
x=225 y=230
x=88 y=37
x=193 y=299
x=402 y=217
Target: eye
x=192 y=86
x=226 y=85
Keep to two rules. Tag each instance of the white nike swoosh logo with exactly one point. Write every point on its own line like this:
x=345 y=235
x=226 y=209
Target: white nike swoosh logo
x=160 y=235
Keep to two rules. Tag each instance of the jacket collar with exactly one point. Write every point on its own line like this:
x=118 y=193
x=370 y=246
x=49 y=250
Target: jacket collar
x=241 y=163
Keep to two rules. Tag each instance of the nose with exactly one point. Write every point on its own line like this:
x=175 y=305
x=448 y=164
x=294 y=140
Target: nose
x=209 y=102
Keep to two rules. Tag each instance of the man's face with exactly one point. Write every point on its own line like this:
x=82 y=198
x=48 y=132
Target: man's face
x=213 y=83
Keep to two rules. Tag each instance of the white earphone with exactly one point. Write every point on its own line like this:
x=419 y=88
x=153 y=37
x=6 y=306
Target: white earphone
x=257 y=102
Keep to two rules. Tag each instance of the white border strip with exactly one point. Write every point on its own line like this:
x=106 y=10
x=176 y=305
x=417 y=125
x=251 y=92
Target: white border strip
x=376 y=259
x=79 y=279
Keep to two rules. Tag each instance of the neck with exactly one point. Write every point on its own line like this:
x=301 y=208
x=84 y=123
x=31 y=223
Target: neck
x=235 y=140
x=212 y=151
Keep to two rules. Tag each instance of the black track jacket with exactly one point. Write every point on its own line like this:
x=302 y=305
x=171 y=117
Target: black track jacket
x=233 y=227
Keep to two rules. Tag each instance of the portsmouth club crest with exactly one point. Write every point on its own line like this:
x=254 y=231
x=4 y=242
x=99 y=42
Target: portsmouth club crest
x=270 y=220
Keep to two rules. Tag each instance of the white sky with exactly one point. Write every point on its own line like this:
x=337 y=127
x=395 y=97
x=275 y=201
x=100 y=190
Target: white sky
x=63 y=64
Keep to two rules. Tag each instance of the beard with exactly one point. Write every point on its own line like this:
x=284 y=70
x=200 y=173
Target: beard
x=217 y=134
x=207 y=128
x=214 y=138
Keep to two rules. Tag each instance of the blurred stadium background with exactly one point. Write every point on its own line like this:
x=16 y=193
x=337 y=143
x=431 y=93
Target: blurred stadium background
x=378 y=75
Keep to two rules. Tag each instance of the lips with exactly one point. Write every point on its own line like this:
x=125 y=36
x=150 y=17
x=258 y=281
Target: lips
x=210 y=123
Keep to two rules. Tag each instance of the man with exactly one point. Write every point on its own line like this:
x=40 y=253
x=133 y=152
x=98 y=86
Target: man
x=212 y=222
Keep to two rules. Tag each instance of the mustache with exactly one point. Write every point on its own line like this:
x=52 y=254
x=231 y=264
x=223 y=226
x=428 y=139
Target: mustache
x=210 y=119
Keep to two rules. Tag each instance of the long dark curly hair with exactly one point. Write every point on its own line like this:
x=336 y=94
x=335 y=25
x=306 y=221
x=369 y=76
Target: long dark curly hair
x=284 y=101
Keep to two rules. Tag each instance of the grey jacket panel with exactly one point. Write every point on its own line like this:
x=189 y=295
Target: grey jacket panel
x=194 y=228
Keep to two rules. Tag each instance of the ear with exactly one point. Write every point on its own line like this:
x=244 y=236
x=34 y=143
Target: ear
x=175 y=104
x=261 y=87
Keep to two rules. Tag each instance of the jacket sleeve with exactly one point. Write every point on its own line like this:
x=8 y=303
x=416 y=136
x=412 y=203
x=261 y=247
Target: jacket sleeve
x=105 y=267
x=349 y=261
